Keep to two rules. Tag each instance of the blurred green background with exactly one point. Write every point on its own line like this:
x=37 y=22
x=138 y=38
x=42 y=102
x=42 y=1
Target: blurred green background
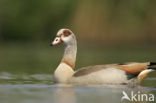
x=108 y=31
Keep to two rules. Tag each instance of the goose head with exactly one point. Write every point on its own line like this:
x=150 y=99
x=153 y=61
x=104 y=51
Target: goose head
x=64 y=36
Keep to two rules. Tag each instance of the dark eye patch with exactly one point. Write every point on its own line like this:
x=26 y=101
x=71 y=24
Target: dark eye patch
x=66 y=32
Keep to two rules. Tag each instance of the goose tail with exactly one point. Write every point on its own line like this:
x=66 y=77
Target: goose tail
x=152 y=64
x=144 y=73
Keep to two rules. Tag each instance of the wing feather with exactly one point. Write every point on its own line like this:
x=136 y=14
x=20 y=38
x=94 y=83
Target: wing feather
x=130 y=68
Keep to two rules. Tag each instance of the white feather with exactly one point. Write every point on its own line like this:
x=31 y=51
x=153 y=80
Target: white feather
x=63 y=73
x=106 y=76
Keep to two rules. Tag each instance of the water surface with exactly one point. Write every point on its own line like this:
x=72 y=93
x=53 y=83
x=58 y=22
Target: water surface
x=39 y=88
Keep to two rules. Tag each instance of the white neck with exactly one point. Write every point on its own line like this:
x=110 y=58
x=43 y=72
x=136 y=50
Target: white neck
x=69 y=56
x=66 y=68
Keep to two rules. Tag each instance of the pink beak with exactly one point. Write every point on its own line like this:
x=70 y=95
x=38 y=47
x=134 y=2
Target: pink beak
x=56 y=41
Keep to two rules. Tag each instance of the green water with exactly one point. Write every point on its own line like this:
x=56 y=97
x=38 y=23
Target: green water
x=26 y=74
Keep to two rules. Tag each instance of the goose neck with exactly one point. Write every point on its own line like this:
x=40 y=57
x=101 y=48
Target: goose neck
x=69 y=56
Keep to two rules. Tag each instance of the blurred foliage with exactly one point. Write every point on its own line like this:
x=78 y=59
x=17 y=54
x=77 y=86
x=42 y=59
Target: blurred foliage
x=106 y=21
x=23 y=20
x=117 y=21
x=111 y=31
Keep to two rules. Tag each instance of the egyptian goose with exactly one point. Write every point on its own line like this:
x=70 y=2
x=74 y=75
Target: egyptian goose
x=98 y=74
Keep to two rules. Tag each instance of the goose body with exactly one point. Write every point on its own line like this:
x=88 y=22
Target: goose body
x=98 y=74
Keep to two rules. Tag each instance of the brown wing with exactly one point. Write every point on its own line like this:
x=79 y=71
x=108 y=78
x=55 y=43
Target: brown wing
x=129 y=68
x=134 y=68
